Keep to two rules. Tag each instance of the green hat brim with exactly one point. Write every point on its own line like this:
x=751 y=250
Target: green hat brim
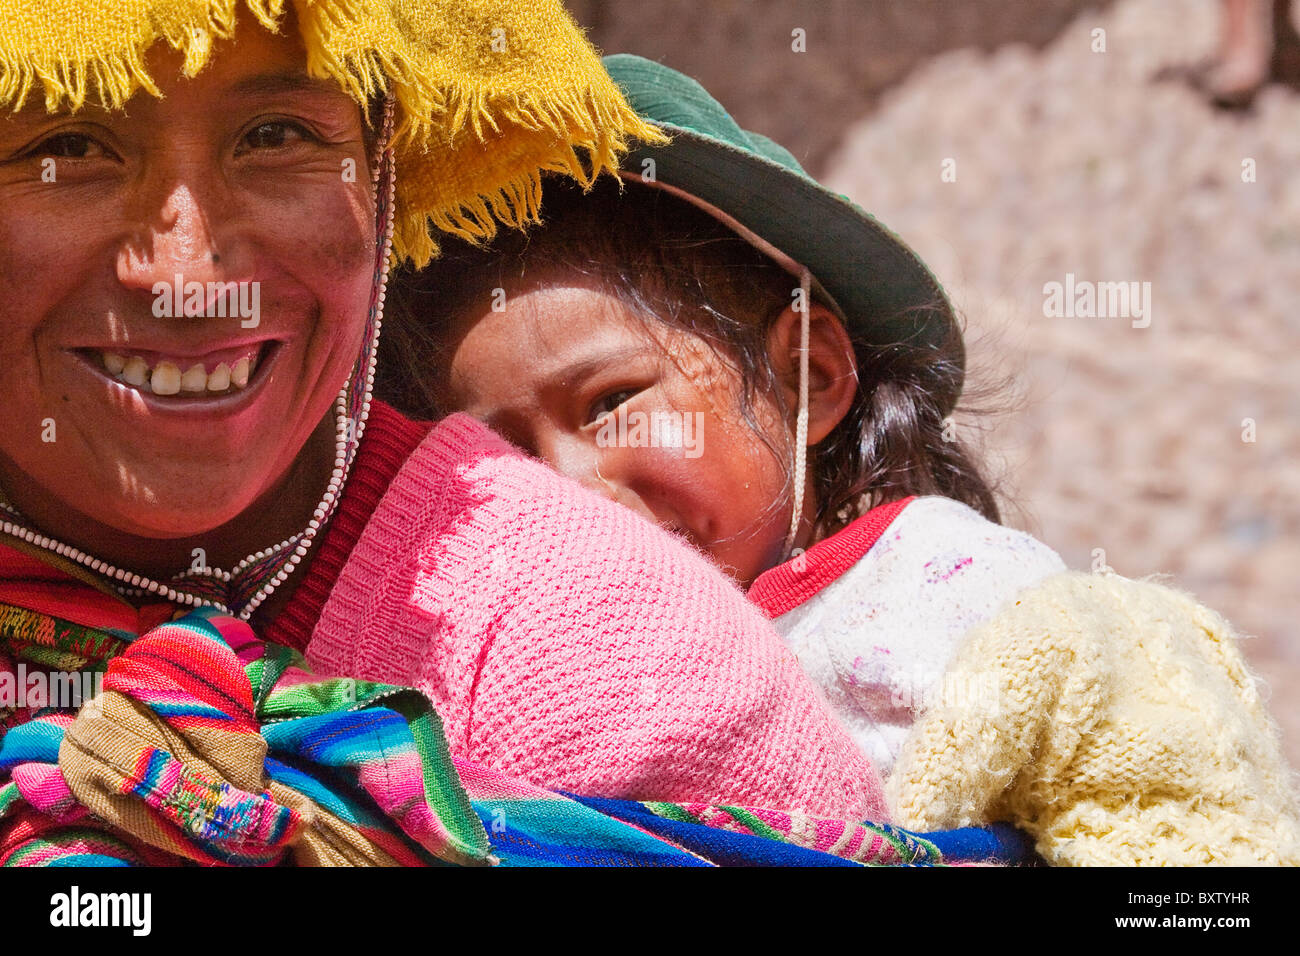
x=885 y=291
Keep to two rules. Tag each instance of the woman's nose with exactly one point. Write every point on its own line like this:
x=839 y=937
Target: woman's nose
x=179 y=240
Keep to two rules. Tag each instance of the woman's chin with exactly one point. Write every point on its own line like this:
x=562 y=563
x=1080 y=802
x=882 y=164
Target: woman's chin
x=169 y=520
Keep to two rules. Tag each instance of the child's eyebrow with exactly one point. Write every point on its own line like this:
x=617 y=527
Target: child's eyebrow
x=584 y=368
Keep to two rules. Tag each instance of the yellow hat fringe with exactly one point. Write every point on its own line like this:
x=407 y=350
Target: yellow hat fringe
x=476 y=126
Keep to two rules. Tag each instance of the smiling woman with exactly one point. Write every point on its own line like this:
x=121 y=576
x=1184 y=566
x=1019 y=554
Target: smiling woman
x=196 y=224
x=217 y=181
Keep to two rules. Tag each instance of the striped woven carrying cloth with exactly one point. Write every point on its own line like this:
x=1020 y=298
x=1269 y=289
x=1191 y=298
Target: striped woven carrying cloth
x=201 y=744
x=210 y=746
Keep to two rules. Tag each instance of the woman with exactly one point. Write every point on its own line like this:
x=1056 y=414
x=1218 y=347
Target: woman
x=196 y=220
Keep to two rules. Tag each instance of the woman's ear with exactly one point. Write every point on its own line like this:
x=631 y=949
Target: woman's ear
x=832 y=368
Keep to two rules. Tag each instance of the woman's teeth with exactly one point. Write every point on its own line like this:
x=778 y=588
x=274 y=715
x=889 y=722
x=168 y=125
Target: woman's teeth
x=166 y=378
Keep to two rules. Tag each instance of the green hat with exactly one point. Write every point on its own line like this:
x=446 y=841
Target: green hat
x=882 y=288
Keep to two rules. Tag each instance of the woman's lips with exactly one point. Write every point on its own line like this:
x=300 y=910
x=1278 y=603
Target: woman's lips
x=184 y=410
x=187 y=377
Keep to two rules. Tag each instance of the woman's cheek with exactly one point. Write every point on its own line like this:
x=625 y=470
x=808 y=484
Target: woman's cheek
x=338 y=273
x=340 y=261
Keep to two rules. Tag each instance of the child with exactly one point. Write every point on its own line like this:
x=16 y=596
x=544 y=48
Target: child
x=648 y=351
x=752 y=362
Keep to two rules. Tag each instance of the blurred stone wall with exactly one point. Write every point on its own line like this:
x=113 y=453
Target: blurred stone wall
x=856 y=49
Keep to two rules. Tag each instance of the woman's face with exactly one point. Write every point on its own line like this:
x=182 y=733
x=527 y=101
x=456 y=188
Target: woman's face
x=156 y=411
x=650 y=419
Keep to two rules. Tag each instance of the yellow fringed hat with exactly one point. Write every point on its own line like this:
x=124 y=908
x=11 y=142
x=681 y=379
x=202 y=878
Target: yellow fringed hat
x=489 y=93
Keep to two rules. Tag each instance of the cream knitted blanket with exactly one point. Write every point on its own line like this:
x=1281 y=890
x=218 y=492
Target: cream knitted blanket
x=1125 y=729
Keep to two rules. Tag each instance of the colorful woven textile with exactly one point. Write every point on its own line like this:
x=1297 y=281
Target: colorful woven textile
x=215 y=748
x=201 y=744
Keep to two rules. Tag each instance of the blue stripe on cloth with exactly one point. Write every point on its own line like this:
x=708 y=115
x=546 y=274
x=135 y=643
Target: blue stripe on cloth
x=342 y=738
x=34 y=742
x=559 y=832
x=998 y=843
x=89 y=859
x=194 y=708
x=328 y=794
x=721 y=846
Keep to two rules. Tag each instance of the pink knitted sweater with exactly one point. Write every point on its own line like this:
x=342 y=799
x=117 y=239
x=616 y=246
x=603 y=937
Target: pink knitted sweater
x=565 y=640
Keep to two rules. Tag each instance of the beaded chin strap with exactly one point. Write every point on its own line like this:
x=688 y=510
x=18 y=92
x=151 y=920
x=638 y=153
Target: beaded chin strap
x=801 y=421
x=240 y=591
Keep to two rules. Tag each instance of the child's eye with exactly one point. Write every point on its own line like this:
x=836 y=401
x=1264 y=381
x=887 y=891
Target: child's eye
x=274 y=134
x=607 y=404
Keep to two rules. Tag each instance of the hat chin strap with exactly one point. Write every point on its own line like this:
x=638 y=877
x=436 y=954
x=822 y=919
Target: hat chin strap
x=801 y=420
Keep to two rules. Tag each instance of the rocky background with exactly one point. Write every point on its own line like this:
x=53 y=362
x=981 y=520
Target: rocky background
x=1173 y=448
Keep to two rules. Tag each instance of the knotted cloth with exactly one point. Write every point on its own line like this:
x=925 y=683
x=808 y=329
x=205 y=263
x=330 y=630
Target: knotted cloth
x=216 y=748
x=489 y=93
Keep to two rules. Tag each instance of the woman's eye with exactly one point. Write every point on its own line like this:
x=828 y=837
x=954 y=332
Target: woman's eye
x=70 y=146
x=607 y=404
x=273 y=135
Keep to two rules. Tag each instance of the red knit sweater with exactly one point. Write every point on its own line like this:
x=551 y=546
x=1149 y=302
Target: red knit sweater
x=386 y=444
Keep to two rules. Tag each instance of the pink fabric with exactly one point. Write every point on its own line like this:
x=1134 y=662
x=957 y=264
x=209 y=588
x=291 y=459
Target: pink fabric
x=566 y=641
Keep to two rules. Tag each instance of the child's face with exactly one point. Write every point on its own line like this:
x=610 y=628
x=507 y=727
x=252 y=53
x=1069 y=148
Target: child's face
x=649 y=417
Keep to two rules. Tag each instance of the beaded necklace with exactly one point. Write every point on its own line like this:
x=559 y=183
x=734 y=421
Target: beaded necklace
x=241 y=590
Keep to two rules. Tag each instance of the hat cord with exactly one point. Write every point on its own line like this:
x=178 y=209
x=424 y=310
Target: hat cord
x=801 y=420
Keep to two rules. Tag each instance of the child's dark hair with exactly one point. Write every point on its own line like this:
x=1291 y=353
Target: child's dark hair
x=668 y=261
